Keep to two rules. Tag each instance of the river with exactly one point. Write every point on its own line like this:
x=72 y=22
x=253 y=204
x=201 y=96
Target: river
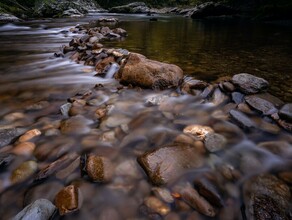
x=34 y=84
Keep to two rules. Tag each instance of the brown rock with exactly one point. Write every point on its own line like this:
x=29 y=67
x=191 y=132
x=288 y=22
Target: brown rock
x=156 y=206
x=199 y=131
x=192 y=197
x=24 y=171
x=140 y=71
x=100 y=66
x=24 y=148
x=286 y=176
x=68 y=200
x=266 y=197
x=29 y=135
x=98 y=168
x=161 y=169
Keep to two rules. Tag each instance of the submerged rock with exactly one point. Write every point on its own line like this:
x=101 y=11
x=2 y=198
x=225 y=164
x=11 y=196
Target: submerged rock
x=266 y=197
x=5 y=18
x=286 y=112
x=140 y=71
x=161 y=169
x=214 y=142
x=9 y=135
x=24 y=171
x=68 y=200
x=249 y=84
x=263 y=106
x=241 y=119
x=41 y=209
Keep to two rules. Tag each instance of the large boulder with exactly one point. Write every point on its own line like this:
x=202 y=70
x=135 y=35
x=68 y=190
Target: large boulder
x=132 y=8
x=249 y=84
x=140 y=71
x=6 y=18
x=211 y=9
x=61 y=8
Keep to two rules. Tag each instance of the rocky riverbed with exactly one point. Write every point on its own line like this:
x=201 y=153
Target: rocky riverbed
x=148 y=143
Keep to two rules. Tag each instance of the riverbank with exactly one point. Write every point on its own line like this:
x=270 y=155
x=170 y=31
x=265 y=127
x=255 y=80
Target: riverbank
x=194 y=150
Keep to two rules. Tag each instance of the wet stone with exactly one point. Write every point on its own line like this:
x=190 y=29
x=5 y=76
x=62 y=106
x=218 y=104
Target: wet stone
x=209 y=191
x=261 y=105
x=161 y=170
x=24 y=171
x=241 y=119
x=65 y=109
x=5 y=160
x=29 y=135
x=163 y=193
x=199 y=131
x=237 y=97
x=76 y=125
x=227 y=86
x=266 y=197
x=285 y=112
x=41 y=209
x=249 y=84
x=156 y=205
x=193 y=198
x=9 y=135
x=281 y=148
x=68 y=200
x=24 y=148
x=190 y=84
x=214 y=142
x=218 y=97
x=98 y=168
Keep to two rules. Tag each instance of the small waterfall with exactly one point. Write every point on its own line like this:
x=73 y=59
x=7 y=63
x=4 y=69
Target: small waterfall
x=112 y=70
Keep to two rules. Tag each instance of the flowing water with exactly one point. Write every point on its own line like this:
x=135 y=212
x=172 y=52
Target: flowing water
x=34 y=84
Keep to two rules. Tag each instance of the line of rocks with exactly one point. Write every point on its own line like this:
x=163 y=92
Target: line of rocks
x=196 y=157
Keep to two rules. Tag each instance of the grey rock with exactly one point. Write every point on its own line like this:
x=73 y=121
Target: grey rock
x=5 y=159
x=266 y=197
x=286 y=112
x=132 y=8
x=5 y=18
x=161 y=169
x=237 y=97
x=214 y=142
x=72 y=13
x=241 y=119
x=7 y=136
x=263 y=106
x=65 y=109
x=218 y=97
x=41 y=209
x=249 y=84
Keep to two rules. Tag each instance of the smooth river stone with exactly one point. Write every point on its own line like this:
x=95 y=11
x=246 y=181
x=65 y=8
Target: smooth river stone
x=214 y=142
x=168 y=162
x=29 y=135
x=195 y=200
x=7 y=136
x=76 y=125
x=156 y=205
x=5 y=160
x=266 y=197
x=263 y=106
x=24 y=171
x=249 y=84
x=198 y=131
x=68 y=200
x=286 y=112
x=24 y=148
x=41 y=209
x=98 y=168
x=242 y=120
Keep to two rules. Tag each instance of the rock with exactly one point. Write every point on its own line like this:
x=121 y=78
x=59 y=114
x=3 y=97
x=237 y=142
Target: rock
x=105 y=20
x=209 y=192
x=241 y=119
x=98 y=168
x=72 y=13
x=7 y=18
x=211 y=9
x=29 y=135
x=190 y=84
x=218 y=97
x=266 y=197
x=54 y=167
x=280 y=148
x=76 y=125
x=41 y=209
x=199 y=131
x=161 y=170
x=140 y=71
x=155 y=100
x=24 y=171
x=261 y=105
x=120 y=32
x=24 y=148
x=237 y=97
x=64 y=7
x=285 y=112
x=68 y=200
x=192 y=197
x=227 y=86
x=163 y=194
x=132 y=8
x=156 y=206
x=249 y=84
x=7 y=136
x=65 y=109
x=214 y=142
x=5 y=160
